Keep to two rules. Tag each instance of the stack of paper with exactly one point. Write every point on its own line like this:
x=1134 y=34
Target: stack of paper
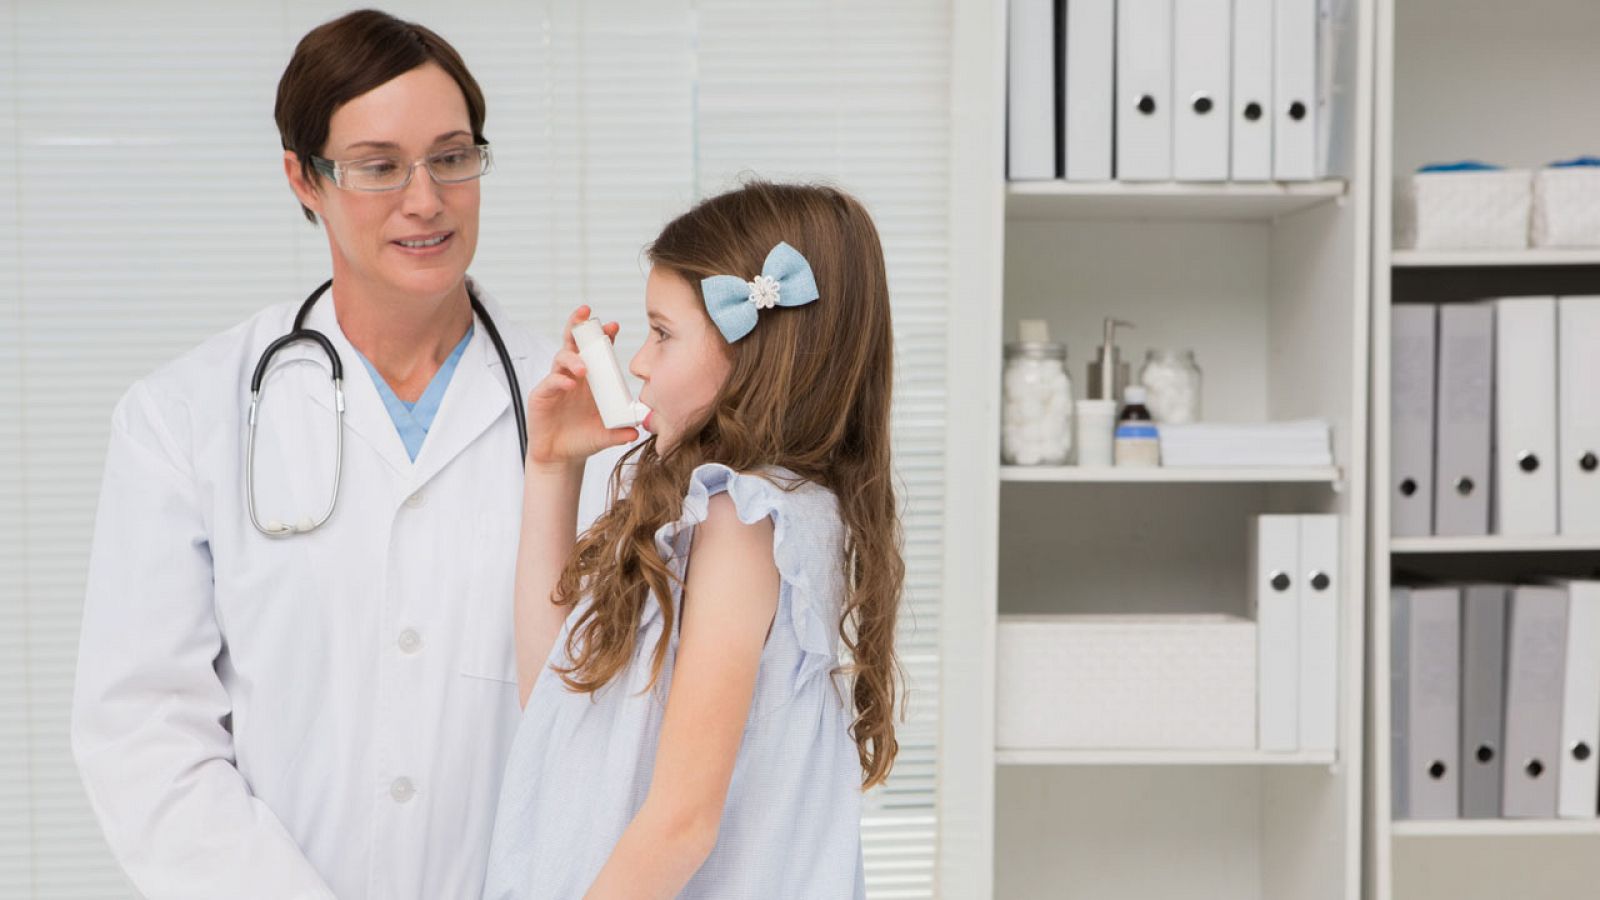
x=1304 y=443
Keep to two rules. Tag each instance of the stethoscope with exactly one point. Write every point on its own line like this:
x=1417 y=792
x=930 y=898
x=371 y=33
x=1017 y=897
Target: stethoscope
x=275 y=528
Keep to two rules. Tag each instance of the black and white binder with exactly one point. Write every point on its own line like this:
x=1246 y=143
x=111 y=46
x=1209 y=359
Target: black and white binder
x=1426 y=638
x=1525 y=416
x=1412 y=334
x=1579 y=478
x=1536 y=661
x=1465 y=408
x=1483 y=696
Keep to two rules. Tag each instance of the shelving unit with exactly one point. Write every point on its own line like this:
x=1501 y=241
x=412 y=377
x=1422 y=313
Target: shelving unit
x=1269 y=283
x=1469 y=80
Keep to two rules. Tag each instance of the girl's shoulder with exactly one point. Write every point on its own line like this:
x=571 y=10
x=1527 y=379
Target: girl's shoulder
x=805 y=515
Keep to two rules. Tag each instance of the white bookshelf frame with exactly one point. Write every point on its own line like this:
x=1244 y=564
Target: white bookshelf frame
x=983 y=205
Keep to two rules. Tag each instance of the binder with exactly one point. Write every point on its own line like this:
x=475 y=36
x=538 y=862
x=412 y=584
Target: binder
x=1250 y=133
x=1030 y=90
x=1144 y=90
x=1089 y=93
x=1580 y=706
x=1578 y=481
x=1483 y=672
x=1433 y=703
x=1536 y=651
x=1411 y=382
x=1294 y=121
x=1321 y=600
x=1201 y=89
x=1399 y=702
x=1465 y=407
x=1275 y=604
x=1525 y=416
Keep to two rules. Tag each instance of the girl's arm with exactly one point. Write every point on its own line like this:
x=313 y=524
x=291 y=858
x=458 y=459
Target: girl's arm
x=729 y=600
x=564 y=430
x=549 y=526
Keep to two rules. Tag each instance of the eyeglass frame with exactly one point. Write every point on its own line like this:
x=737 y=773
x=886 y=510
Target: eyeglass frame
x=334 y=170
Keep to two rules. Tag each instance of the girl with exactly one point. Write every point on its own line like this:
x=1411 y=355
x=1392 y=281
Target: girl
x=689 y=729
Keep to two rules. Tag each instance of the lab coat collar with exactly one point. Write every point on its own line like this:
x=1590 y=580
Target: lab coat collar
x=475 y=399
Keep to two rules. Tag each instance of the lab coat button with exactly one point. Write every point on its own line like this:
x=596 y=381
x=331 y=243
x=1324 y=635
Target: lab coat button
x=410 y=641
x=402 y=790
x=415 y=500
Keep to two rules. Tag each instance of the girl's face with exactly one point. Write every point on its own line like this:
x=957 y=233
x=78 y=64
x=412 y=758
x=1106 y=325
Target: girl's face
x=684 y=361
x=406 y=118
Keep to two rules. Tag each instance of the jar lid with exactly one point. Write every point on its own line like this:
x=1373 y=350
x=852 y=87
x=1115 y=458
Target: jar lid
x=1045 y=349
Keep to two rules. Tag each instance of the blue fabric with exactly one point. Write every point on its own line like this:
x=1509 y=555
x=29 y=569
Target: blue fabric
x=1467 y=165
x=413 y=420
x=733 y=303
x=1581 y=162
x=580 y=766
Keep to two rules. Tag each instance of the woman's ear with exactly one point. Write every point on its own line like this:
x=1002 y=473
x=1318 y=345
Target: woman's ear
x=310 y=195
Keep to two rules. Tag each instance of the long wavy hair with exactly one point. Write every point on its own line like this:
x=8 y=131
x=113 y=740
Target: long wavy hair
x=809 y=392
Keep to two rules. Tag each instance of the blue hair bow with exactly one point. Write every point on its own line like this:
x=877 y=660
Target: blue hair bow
x=734 y=303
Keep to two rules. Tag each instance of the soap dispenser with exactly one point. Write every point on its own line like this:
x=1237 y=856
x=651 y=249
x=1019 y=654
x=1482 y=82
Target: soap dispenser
x=1108 y=373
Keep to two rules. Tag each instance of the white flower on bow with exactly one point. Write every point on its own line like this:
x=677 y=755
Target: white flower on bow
x=764 y=292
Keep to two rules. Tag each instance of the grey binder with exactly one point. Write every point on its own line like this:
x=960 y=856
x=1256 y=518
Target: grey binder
x=1430 y=642
x=1483 y=670
x=1536 y=660
x=1399 y=709
x=1412 y=349
x=1465 y=400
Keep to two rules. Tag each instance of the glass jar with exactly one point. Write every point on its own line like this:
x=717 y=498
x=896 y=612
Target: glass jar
x=1171 y=380
x=1036 y=422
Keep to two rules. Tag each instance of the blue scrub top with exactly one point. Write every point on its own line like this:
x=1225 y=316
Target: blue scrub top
x=413 y=420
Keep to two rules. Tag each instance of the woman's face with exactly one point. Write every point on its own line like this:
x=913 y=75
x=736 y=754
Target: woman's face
x=407 y=118
x=683 y=362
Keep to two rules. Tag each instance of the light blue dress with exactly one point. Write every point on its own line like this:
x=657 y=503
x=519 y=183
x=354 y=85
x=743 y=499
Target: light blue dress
x=580 y=766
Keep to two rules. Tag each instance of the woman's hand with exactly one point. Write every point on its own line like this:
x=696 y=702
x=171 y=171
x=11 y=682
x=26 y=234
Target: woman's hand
x=564 y=426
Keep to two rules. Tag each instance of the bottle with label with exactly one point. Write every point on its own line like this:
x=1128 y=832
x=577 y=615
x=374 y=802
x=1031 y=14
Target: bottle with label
x=1137 y=443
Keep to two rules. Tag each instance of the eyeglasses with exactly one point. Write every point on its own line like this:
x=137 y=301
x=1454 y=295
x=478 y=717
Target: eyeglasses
x=455 y=165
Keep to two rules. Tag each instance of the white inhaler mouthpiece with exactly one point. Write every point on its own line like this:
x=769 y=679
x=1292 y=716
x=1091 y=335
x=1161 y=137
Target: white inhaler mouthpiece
x=618 y=409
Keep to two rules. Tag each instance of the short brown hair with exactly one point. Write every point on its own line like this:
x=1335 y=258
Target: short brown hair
x=340 y=60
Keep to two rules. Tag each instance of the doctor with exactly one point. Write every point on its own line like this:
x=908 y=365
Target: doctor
x=274 y=705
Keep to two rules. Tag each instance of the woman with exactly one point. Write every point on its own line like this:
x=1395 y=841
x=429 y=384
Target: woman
x=276 y=700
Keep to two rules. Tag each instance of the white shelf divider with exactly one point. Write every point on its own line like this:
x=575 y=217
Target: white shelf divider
x=1166 y=200
x=1458 y=259
x=1494 y=543
x=1496 y=828
x=1170 y=475
x=1240 y=757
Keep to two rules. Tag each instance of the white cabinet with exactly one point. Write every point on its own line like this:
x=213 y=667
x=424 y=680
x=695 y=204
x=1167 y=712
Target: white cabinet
x=1269 y=284
x=1497 y=82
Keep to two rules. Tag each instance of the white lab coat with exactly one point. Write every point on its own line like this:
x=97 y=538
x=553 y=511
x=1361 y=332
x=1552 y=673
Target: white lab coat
x=325 y=715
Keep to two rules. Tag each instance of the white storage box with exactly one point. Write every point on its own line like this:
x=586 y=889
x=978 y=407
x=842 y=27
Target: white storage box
x=1566 y=207
x=1126 y=682
x=1472 y=210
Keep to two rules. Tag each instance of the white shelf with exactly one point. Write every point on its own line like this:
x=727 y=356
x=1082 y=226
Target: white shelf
x=1170 y=475
x=1166 y=199
x=1494 y=543
x=1446 y=259
x=1241 y=757
x=1496 y=828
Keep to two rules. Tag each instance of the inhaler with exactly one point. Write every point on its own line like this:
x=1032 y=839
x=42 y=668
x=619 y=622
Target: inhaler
x=618 y=409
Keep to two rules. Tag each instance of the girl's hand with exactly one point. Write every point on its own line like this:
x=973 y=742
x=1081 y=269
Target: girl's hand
x=564 y=426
